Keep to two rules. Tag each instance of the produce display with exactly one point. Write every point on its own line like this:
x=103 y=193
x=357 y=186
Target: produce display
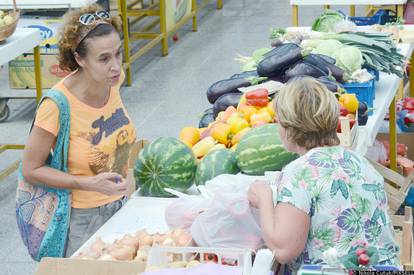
x=133 y=246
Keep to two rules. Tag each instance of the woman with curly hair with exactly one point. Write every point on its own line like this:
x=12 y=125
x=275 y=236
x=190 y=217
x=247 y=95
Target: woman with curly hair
x=89 y=47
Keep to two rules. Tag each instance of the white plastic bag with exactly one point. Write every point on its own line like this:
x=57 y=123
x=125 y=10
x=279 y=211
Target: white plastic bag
x=229 y=221
x=221 y=216
x=377 y=152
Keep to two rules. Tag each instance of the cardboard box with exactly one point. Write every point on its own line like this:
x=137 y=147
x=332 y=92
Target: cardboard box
x=49 y=28
x=67 y=266
x=138 y=146
x=22 y=76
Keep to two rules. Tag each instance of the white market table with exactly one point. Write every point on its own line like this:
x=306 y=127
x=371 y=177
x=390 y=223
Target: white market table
x=46 y=4
x=22 y=41
x=352 y=3
x=138 y=213
x=385 y=90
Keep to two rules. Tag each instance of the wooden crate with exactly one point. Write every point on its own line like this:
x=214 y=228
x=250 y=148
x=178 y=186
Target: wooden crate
x=403 y=225
x=395 y=185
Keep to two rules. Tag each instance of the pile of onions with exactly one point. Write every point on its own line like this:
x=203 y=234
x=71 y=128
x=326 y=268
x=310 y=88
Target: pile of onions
x=135 y=246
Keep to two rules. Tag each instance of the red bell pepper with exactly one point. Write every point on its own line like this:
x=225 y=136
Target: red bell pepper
x=258 y=98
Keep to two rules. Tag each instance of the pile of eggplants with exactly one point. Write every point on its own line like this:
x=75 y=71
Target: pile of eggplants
x=282 y=63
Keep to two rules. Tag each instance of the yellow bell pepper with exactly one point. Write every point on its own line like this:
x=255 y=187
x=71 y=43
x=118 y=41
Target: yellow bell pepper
x=220 y=132
x=349 y=102
x=237 y=125
x=201 y=148
x=260 y=118
x=190 y=135
x=247 y=112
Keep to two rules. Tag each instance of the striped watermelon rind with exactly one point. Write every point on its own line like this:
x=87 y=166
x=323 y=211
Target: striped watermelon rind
x=261 y=150
x=216 y=162
x=166 y=162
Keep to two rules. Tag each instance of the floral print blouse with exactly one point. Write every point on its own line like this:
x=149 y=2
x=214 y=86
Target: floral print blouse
x=346 y=201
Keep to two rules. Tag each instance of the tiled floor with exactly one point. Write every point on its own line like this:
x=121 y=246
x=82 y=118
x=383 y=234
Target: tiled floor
x=168 y=93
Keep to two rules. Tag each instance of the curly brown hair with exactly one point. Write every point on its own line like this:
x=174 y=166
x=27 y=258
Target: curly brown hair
x=70 y=31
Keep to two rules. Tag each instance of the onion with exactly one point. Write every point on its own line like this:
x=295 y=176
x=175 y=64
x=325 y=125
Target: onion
x=122 y=253
x=129 y=240
x=168 y=242
x=146 y=240
x=97 y=248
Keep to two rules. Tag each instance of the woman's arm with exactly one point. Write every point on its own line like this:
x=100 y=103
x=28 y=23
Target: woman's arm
x=285 y=227
x=34 y=170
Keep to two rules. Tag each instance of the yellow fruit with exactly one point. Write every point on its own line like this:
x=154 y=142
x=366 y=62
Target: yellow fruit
x=220 y=132
x=237 y=137
x=234 y=117
x=261 y=117
x=349 y=102
x=192 y=263
x=201 y=148
x=237 y=125
x=247 y=112
x=190 y=135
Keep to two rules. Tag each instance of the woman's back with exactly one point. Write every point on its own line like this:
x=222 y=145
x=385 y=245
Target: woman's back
x=345 y=199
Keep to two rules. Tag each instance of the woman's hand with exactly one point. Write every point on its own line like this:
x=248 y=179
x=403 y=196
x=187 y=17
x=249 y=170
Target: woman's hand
x=259 y=192
x=110 y=184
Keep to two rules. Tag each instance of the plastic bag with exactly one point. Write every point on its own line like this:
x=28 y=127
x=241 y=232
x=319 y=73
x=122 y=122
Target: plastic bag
x=377 y=152
x=182 y=212
x=221 y=216
x=228 y=222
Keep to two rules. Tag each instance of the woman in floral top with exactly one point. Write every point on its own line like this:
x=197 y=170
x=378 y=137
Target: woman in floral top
x=330 y=196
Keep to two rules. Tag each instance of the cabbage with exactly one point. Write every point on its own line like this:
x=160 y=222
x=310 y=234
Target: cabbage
x=349 y=58
x=327 y=21
x=328 y=47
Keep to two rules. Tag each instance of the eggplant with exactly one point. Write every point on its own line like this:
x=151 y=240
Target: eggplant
x=226 y=86
x=332 y=85
x=279 y=59
x=206 y=118
x=226 y=100
x=324 y=63
x=326 y=58
x=302 y=69
x=245 y=74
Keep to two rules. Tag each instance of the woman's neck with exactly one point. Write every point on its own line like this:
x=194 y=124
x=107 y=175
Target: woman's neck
x=87 y=90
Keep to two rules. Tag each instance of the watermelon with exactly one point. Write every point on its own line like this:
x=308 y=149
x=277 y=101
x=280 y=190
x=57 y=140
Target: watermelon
x=216 y=162
x=166 y=162
x=261 y=150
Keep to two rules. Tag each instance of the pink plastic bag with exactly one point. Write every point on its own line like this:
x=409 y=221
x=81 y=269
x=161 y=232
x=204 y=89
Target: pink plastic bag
x=182 y=212
x=228 y=222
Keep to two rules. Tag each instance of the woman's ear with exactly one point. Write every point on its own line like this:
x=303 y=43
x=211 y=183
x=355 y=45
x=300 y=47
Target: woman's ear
x=79 y=60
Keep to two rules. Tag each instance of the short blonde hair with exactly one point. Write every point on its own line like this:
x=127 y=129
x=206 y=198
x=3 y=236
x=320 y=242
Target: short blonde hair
x=309 y=112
